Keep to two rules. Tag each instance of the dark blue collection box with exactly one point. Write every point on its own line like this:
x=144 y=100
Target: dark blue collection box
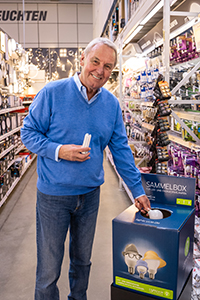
x=155 y=257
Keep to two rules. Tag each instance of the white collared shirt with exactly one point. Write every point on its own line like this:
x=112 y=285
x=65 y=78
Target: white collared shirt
x=83 y=90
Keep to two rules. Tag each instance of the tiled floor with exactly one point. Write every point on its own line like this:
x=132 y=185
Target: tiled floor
x=18 y=247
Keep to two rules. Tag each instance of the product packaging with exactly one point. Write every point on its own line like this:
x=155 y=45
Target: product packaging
x=154 y=257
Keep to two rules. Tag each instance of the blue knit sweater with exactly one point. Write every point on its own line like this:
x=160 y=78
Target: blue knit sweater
x=60 y=115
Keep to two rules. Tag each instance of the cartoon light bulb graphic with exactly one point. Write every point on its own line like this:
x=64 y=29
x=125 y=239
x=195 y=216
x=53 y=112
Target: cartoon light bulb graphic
x=141 y=267
x=154 y=262
x=131 y=256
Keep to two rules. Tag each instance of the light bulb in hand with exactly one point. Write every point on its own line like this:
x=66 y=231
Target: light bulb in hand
x=155 y=214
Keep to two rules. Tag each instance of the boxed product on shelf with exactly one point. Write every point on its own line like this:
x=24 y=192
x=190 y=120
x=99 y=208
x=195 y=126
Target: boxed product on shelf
x=14 y=101
x=3 y=128
x=14 y=120
x=17 y=167
x=8 y=122
x=26 y=155
x=155 y=256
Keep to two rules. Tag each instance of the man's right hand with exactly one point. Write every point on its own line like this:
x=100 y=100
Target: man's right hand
x=74 y=153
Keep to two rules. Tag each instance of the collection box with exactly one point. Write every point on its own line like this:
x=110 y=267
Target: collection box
x=154 y=257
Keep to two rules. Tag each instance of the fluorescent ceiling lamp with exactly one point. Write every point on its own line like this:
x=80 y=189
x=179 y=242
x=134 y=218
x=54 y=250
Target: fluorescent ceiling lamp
x=144 y=21
x=153 y=12
x=133 y=34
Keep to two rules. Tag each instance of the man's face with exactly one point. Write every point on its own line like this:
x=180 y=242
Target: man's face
x=97 y=66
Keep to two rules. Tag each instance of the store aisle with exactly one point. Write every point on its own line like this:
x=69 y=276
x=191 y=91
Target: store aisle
x=18 y=247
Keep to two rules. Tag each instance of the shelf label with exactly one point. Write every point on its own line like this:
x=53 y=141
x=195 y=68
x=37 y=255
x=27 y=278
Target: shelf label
x=144 y=288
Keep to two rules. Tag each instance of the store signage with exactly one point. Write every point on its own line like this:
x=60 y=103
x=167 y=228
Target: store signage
x=28 y=15
x=166 y=186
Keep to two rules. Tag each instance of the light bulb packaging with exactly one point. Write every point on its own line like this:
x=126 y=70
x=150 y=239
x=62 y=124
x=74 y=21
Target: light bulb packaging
x=155 y=256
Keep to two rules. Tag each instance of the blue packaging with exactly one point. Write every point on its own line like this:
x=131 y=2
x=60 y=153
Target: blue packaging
x=155 y=257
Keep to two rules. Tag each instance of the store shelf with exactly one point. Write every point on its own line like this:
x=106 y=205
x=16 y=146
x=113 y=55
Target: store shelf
x=7 y=151
x=187 y=115
x=9 y=165
x=2 y=137
x=20 y=149
x=148 y=126
x=184 y=65
x=7 y=110
x=4 y=88
x=27 y=102
x=139 y=101
x=175 y=137
x=128 y=99
x=17 y=181
x=143 y=9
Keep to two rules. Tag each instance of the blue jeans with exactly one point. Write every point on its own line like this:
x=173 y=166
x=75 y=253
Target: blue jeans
x=55 y=214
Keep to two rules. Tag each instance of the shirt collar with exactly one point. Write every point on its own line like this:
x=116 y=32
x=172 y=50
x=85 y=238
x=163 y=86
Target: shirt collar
x=77 y=81
x=83 y=90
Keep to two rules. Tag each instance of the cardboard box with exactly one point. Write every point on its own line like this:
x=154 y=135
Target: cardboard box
x=155 y=257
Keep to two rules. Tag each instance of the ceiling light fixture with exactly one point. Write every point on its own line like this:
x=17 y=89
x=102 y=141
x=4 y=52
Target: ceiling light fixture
x=131 y=36
x=144 y=21
x=153 y=12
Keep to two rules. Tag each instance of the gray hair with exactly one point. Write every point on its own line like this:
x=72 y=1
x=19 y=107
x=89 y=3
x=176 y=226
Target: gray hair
x=101 y=40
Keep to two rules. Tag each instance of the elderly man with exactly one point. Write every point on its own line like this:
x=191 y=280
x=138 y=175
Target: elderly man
x=70 y=175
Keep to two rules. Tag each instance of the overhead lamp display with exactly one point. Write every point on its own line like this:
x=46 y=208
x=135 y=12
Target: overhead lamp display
x=153 y=12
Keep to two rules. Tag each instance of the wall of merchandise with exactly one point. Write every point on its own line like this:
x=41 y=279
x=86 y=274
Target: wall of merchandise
x=148 y=102
x=162 y=119
x=14 y=158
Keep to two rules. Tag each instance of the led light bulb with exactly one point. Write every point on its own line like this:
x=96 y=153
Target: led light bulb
x=153 y=265
x=131 y=256
x=155 y=214
x=141 y=267
x=154 y=262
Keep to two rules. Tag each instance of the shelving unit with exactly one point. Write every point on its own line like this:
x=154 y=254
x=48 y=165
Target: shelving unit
x=17 y=181
x=130 y=34
x=2 y=137
x=136 y=33
x=13 y=81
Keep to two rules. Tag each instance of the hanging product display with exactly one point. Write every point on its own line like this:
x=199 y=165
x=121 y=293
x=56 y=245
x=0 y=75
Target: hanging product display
x=159 y=135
